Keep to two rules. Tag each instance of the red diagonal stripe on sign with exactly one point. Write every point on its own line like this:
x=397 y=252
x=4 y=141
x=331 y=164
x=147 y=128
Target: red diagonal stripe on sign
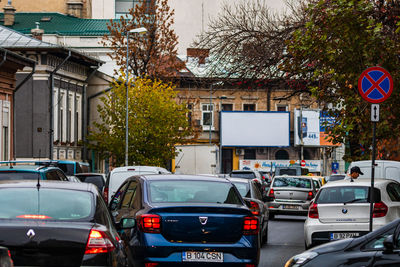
x=375 y=85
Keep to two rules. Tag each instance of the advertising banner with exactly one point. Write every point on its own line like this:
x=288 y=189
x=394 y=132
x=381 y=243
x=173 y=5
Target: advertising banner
x=265 y=165
x=255 y=129
x=310 y=126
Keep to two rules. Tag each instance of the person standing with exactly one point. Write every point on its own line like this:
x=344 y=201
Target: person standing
x=354 y=173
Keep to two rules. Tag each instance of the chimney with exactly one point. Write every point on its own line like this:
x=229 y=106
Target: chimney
x=9 y=14
x=74 y=8
x=37 y=33
x=199 y=53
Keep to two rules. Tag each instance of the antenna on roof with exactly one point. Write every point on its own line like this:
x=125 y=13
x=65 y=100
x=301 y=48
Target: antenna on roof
x=38 y=174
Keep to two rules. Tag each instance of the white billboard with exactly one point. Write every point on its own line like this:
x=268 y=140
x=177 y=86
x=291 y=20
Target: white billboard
x=255 y=129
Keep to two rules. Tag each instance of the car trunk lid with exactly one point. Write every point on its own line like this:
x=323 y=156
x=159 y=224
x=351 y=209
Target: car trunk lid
x=45 y=243
x=200 y=224
x=291 y=194
x=344 y=213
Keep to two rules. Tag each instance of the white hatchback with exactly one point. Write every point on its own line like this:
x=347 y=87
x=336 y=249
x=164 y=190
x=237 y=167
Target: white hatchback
x=341 y=209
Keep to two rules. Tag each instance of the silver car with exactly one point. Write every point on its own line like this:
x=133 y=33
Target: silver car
x=292 y=195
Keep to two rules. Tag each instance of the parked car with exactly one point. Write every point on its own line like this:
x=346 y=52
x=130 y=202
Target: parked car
x=251 y=193
x=317 y=180
x=168 y=220
x=14 y=171
x=98 y=179
x=387 y=169
x=249 y=174
x=291 y=195
x=341 y=209
x=5 y=258
x=378 y=248
x=118 y=175
x=335 y=177
x=73 y=179
x=58 y=224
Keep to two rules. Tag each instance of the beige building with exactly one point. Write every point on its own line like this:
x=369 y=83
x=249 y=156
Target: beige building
x=77 y=8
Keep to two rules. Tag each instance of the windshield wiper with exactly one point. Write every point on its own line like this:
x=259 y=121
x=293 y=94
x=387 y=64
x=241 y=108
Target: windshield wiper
x=355 y=200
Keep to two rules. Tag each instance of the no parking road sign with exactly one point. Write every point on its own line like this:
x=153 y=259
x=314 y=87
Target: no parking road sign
x=375 y=85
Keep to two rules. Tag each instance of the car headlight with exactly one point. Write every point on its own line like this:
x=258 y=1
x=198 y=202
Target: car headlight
x=301 y=259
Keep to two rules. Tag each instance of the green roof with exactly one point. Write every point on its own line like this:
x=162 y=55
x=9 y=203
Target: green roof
x=57 y=23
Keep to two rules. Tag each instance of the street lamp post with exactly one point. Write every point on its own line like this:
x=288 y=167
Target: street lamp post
x=220 y=144
x=137 y=30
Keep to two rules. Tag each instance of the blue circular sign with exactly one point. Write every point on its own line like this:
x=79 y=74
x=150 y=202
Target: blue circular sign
x=375 y=85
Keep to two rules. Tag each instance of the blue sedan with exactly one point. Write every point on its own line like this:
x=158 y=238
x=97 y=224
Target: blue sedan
x=167 y=220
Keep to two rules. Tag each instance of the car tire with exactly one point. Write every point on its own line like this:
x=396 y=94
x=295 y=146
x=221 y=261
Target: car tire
x=306 y=247
x=271 y=216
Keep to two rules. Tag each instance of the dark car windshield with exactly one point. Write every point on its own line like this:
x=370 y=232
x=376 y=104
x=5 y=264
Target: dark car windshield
x=292 y=182
x=13 y=175
x=247 y=175
x=44 y=204
x=193 y=191
x=67 y=168
x=97 y=180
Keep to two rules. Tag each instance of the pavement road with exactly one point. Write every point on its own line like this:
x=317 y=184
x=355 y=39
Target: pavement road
x=285 y=239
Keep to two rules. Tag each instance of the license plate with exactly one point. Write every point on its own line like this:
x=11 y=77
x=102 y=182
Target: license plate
x=337 y=236
x=197 y=256
x=291 y=207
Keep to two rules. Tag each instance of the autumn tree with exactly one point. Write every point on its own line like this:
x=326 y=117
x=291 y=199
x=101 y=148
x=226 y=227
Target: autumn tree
x=153 y=54
x=340 y=39
x=156 y=123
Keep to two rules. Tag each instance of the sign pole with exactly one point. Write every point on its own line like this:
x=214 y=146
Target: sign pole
x=371 y=202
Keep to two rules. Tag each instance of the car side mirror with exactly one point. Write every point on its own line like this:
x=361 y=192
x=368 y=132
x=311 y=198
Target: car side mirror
x=127 y=223
x=388 y=244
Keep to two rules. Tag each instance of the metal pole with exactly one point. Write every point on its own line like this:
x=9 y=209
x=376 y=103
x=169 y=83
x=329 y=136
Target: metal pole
x=127 y=99
x=371 y=203
x=301 y=133
x=211 y=115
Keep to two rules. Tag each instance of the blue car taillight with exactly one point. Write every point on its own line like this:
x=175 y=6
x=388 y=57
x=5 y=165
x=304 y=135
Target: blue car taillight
x=250 y=226
x=150 y=223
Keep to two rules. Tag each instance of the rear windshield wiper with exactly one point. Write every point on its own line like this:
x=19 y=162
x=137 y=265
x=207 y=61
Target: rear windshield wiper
x=355 y=200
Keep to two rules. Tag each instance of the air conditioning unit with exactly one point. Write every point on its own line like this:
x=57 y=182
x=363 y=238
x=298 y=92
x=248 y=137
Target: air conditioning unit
x=239 y=151
x=261 y=150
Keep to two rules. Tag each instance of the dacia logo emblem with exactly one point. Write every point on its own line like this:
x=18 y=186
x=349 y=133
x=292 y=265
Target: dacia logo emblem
x=203 y=220
x=31 y=234
x=344 y=210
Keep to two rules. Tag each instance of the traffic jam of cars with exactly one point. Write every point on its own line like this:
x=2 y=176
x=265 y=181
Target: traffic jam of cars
x=147 y=216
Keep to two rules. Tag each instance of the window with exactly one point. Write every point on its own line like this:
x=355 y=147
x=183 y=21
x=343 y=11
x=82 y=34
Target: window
x=281 y=107
x=193 y=191
x=249 y=154
x=53 y=176
x=5 y=143
x=356 y=194
x=227 y=107
x=54 y=204
x=292 y=182
x=207 y=111
x=122 y=6
x=129 y=195
x=281 y=154
x=189 y=114
x=393 y=191
x=249 y=107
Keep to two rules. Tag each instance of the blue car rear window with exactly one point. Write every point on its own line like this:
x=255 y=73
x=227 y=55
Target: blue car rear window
x=13 y=175
x=193 y=191
x=44 y=204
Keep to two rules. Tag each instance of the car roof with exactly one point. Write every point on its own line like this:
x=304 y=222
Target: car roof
x=359 y=182
x=240 y=180
x=159 y=177
x=30 y=168
x=235 y=171
x=294 y=176
x=48 y=184
x=137 y=168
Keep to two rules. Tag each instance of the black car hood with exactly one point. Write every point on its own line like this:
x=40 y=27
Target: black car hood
x=336 y=245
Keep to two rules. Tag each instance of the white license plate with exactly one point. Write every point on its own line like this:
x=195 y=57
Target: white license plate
x=197 y=256
x=291 y=207
x=337 y=236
